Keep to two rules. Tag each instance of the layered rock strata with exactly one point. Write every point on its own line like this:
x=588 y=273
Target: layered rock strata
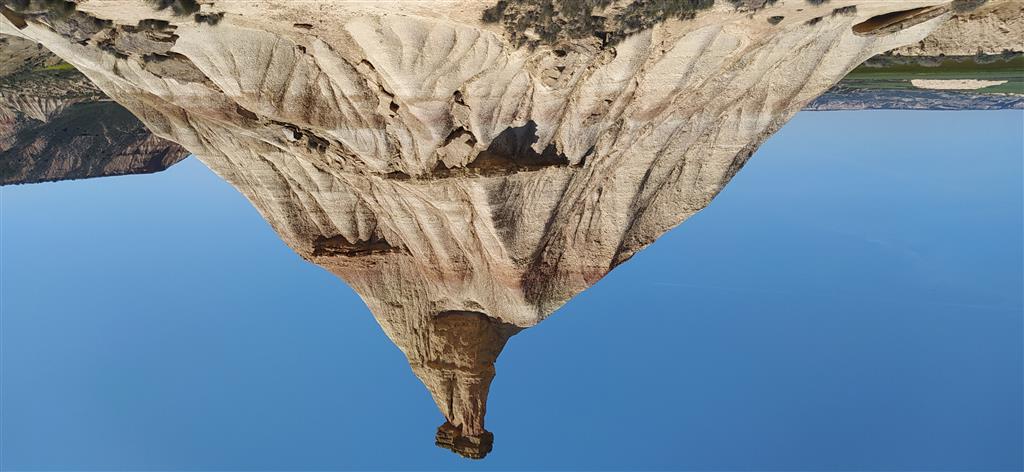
x=995 y=27
x=464 y=183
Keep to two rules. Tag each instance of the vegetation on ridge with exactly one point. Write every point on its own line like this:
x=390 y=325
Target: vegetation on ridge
x=530 y=22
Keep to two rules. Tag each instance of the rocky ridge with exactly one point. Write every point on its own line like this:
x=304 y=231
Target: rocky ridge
x=467 y=186
x=993 y=28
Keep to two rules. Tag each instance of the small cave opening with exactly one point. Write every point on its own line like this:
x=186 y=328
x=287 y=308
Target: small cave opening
x=512 y=151
x=341 y=246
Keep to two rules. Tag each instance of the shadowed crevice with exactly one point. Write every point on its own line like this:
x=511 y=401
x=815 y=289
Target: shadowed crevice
x=339 y=246
x=897 y=21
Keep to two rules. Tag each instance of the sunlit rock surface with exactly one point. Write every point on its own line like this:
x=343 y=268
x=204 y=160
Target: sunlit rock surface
x=464 y=182
x=995 y=27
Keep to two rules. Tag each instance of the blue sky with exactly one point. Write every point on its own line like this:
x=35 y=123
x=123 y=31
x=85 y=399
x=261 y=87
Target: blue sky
x=852 y=301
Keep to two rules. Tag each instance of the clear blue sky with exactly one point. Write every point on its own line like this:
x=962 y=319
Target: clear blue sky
x=852 y=301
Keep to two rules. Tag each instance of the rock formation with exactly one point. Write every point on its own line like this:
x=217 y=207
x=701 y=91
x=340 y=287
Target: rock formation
x=55 y=125
x=465 y=183
x=993 y=28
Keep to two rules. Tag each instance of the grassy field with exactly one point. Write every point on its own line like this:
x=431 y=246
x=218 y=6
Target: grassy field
x=58 y=67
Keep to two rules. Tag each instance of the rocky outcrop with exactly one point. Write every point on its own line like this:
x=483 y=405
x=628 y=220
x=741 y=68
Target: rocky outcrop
x=995 y=27
x=467 y=186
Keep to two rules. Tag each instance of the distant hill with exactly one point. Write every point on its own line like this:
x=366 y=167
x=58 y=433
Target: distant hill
x=56 y=125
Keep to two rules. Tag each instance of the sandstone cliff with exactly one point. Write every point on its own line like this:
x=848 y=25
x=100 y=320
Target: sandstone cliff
x=467 y=184
x=993 y=28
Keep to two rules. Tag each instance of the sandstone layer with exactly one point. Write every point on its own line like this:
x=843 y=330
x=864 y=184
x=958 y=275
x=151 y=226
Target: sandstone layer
x=994 y=28
x=465 y=183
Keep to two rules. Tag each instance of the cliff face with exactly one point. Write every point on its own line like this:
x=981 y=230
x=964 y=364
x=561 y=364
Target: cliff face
x=993 y=28
x=464 y=185
x=56 y=125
